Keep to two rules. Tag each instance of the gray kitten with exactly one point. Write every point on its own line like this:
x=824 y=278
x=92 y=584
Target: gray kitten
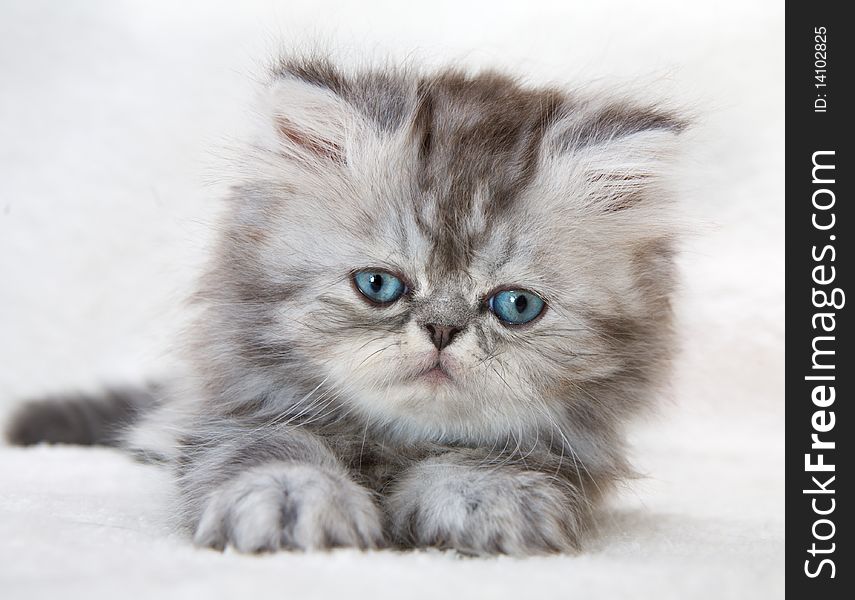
x=435 y=301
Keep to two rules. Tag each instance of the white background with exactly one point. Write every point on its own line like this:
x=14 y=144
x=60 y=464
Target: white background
x=113 y=115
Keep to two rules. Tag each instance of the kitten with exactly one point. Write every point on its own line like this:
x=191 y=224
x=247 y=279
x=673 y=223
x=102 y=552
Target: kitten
x=435 y=301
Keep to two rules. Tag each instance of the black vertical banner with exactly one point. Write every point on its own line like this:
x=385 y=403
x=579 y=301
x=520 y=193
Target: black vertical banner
x=819 y=333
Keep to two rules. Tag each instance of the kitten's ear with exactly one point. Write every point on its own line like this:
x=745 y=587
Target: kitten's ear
x=310 y=121
x=620 y=154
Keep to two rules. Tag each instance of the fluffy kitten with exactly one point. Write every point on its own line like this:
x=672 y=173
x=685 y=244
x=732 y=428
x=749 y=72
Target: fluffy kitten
x=434 y=303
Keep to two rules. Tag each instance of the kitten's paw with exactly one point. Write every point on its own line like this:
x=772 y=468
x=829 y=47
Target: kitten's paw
x=289 y=506
x=483 y=511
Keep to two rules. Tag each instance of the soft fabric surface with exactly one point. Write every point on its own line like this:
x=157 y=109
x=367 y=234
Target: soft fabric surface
x=84 y=522
x=113 y=115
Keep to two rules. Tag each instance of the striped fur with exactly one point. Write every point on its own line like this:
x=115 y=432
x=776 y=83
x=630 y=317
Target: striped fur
x=307 y=422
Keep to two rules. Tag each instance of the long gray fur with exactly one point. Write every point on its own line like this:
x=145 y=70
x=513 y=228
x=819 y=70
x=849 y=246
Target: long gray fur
x=307 y=424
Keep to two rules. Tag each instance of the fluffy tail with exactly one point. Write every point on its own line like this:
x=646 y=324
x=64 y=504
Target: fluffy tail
x=81 y=419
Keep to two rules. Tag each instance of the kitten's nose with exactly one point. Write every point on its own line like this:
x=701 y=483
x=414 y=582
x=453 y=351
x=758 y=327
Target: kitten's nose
x=441 y=335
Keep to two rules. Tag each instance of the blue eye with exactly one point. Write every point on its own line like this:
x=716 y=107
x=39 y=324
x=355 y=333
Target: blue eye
x=379 y=287
x=516 y=307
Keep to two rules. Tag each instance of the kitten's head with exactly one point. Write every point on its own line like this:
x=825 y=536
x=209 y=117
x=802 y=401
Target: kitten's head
x=450 y=257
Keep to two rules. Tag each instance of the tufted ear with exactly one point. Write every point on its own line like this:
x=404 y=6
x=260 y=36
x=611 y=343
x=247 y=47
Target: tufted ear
x=310 y=121
x=618 y=152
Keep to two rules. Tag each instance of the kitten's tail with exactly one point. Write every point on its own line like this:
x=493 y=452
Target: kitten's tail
x=81 y=419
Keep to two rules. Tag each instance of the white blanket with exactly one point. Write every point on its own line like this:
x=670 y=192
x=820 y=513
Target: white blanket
x=91 y=523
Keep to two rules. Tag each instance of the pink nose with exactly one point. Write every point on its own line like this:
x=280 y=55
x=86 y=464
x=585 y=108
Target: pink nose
x=441 y=335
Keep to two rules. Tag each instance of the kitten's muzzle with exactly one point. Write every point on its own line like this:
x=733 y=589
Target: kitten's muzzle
x=441 y=335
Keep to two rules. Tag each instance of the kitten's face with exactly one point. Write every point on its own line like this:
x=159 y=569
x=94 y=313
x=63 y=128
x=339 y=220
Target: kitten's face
x=459 y=268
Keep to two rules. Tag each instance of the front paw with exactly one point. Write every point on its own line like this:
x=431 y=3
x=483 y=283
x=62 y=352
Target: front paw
x=289 y=506
x=483 y=511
